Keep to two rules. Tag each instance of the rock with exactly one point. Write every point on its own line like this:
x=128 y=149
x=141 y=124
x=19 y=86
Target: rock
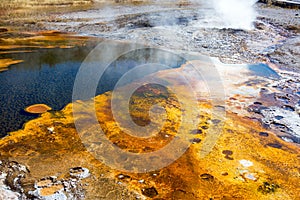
x=59 y=189
x=229 y=158
x=196 y=131
x=45 y=182
x=50 y=129
x=259 y=25
x=150 y=192
x=264 y=134
x=54 y=192
x=12 y=175
x=256 y=108
x=287 y=139
x=246 y=163
x=196 y=140
x=79 y=172
x=227 y=152
x=8 y=195
x=250 y=176
x=275 y=145
x=282 y=3
x=225 y=174
x=141 y=181
x=215 y=121
x=285 y=123
x=268 y=188
x=207 y=177
x=37 y=108
x=287 y=53
x=288 y=108
x=122 y=177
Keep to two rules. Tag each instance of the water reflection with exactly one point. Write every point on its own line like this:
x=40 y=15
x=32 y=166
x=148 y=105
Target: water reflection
x=47 y=76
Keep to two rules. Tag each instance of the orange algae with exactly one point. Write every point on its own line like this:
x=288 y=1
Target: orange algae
x=5 y=63
x=45 y=39
x=190 y=177
x=51 y=190
x=37 y=108
x=275 y=172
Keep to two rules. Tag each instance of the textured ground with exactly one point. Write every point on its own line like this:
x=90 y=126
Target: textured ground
x=47 y=159
x=247 y=161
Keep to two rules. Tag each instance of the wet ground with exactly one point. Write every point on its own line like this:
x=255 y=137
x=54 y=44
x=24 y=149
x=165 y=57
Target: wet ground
x=255 y=154
x=247 y=161
x=193 y=27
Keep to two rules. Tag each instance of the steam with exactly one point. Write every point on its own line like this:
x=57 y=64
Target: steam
x=237 y=14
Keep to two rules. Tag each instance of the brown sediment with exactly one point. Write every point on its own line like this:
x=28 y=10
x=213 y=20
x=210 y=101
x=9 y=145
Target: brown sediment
x=38 y=108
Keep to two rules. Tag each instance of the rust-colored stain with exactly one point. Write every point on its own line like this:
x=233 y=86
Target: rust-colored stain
x=37 y=108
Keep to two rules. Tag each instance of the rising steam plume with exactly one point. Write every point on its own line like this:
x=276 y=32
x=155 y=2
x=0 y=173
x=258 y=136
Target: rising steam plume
x=237 y=14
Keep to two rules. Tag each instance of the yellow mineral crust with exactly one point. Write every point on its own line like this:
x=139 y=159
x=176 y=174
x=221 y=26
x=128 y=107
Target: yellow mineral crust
x=273 y=172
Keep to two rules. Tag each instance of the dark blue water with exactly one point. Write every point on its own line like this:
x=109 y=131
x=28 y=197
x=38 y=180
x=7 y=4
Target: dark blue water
x=263 y=70
x=47 y=76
